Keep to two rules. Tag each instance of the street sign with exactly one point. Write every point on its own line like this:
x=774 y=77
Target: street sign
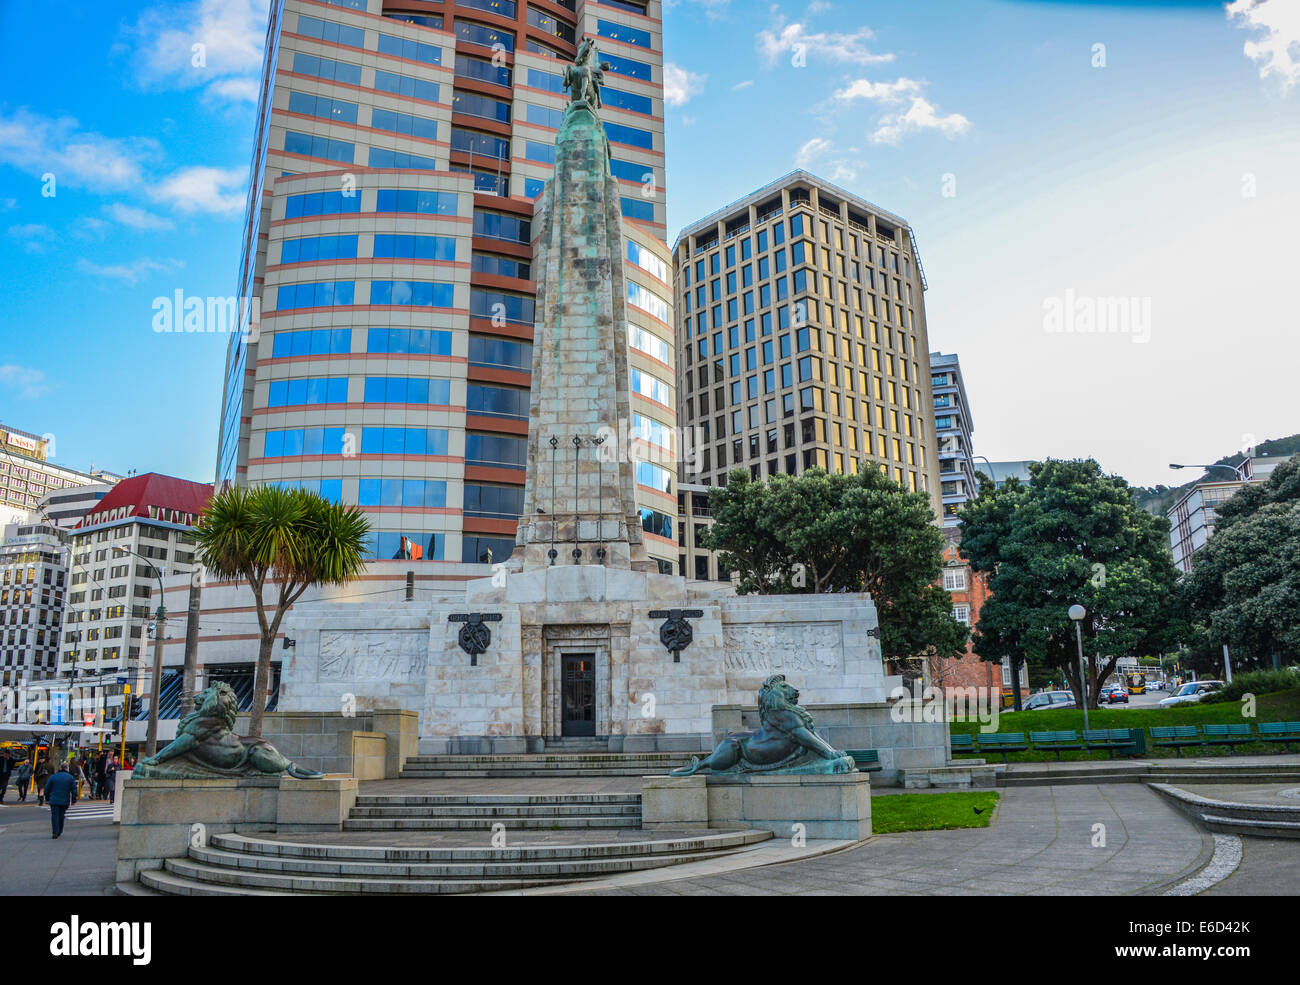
x=121 y=680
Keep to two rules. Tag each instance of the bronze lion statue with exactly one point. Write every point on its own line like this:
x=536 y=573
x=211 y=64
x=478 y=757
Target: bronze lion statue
x=206 y=746
x=784 y=742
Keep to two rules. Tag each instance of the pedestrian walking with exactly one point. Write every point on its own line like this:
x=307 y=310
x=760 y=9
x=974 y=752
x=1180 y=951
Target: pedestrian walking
x=110 y=777
x=24 y=775
x=101 y=776
x=61 y=792
x=7 y=766
x=42 y=774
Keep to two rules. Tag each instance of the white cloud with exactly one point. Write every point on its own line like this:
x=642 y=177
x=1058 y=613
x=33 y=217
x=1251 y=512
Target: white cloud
x=224 y=37
x=832 y=166
x=681 y=85
x=818 y=7
x=43 y=145
x=781 y=38
x=712 y=9
x=906 y=110
x=1278 y=51
x=810 y=151
x=132 y=272
x=742 y=85
x=30 y=383
x=36 y=237
x=136 y=218
x=202 y=189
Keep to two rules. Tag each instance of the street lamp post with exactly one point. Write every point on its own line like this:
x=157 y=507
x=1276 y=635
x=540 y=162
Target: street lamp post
x=1238 y=470
x=151 y=734
x=1077 y=612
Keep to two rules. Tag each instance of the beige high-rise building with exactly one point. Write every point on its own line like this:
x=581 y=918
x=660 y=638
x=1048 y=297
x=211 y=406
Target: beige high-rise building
x=802 y=342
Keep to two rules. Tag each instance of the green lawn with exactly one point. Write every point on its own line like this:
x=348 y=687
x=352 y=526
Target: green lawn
x=931 y=811
x=1281 y=706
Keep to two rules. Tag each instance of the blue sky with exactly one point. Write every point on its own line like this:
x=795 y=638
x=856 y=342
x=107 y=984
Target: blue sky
x=1036 y=169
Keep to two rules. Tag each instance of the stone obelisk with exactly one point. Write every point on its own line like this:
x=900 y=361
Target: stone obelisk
x=579 y=505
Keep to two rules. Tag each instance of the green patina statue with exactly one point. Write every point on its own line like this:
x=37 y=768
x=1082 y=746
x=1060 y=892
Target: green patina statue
x=784 y=742
x=585 y=76
x=206 y=747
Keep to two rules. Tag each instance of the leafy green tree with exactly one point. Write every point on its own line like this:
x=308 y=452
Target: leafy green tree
x=1244 y=586
x=1072 y=535
x=821 y=532
x=290 y=539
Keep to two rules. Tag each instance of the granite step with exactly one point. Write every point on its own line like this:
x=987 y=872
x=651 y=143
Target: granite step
x=554 y=823
x=490 y=800
x=563 y=869
x=566 y=772
x=244 y=865
x=498 y=810
x=693 y=842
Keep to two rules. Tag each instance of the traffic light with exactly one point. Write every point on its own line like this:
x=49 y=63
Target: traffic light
x=137 y=707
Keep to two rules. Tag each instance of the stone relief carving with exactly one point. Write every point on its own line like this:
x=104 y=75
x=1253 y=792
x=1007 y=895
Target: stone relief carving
x=783 y=648
x=353 y=656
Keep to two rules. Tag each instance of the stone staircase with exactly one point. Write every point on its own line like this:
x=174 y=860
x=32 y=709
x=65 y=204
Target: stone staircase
x=557 y=764
x=244 y=865
x=480 y=812
x=1139 y=771
x=1261 y=819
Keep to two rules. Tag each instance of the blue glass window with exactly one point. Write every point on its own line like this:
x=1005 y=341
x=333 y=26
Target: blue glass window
x=321 y=203
x=621 y=32
x=404 y=85
x=403 y=123
x=312 y=342
x=416 y=293
x=415 y=247
x=318 y=248
x=636 y=137
x=326 y=68
x=321 y=294
x=316 y=390
x=423 y=203
x=404 y=390
x=415 y=51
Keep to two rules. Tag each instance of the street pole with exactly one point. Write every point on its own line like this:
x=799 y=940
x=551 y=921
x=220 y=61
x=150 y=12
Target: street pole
x=1077 y=613
x=1083 y=680
x=1227 y=665
x=160 y=626
x=151 y=735
x=191 y=643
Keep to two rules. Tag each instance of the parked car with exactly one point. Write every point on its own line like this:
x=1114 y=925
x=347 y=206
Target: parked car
x=1113 y=694
x=1050 y=699
x=1189 y=692
x=1155 y=685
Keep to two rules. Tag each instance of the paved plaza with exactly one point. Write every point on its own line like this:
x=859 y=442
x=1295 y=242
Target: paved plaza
x=1044 y=840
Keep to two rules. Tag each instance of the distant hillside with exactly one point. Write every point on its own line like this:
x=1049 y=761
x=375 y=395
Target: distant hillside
x=1159 y=499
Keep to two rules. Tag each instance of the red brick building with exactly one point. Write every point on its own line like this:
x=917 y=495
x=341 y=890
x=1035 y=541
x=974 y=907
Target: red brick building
x=969 y=589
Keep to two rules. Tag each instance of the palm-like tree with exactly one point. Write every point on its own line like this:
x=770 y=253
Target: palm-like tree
x=291 y=538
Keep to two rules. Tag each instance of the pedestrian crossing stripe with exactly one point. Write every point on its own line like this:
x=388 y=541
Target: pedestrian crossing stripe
x=87 y=810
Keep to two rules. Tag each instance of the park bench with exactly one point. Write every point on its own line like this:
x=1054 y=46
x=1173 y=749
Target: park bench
x=1227 y=735
x=866 y=760
x=1110 y=739
x=1056 y=741
x=962 y=743
x=1175 y=736
x=1003 y=742
x=1287 y=732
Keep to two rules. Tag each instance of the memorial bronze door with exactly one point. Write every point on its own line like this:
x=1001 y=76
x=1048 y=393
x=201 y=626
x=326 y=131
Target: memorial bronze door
x=578 y=694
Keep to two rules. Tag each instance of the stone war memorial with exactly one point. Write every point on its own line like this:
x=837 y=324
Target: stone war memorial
x=576 y=646
x=576 y=636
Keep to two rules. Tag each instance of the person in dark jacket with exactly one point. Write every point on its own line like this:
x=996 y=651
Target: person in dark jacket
x=61 y=792
x=24 y=775
x=7 y=766
x=42 y=774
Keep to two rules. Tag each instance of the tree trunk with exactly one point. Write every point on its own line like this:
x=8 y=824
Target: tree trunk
x=261 y=679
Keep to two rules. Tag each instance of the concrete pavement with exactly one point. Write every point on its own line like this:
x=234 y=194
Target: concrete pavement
x=80 y=863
